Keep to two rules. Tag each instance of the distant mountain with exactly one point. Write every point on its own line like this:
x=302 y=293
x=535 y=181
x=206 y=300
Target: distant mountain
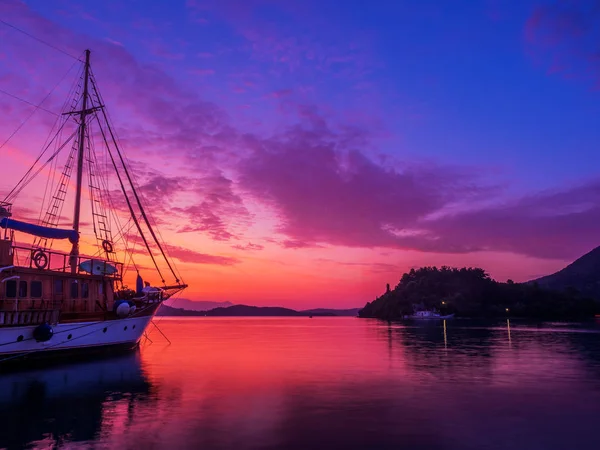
x=245 y=310
x=352 y=312
x=581 y=276
x=254 y=311
x=193 y=305
x=166 y=310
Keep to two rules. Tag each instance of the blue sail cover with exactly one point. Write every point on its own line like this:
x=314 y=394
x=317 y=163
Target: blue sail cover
x=36 y=230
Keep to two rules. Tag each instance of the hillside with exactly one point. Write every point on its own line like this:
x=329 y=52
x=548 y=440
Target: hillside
x=255 y=311
x=581 y=276
x=470 y=292
x=245 y=310
x=166 y=310
x=351 y=312
x=195 y=305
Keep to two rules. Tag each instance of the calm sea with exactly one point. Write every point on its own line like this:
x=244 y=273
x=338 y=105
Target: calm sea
x=300 y=383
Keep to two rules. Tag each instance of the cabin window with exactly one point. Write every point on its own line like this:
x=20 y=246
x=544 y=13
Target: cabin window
x=85 y=290
x=22 y=289
x=74 y=289
x=11 y=288
x=58 y=286
x=36 y=289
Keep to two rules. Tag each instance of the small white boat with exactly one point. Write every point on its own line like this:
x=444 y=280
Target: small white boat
x=428 y=315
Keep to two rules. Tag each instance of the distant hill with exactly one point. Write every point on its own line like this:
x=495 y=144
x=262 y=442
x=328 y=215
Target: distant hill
x=166 y=310
x=193 y=305
x=581 y=276
x=255 y=311
x=245 y=310
x=352 y=312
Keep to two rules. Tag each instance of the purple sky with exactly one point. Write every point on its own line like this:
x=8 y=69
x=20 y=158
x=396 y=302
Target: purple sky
x=290 y=146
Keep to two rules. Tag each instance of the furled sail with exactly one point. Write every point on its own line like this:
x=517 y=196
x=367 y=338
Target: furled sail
x=36 y=230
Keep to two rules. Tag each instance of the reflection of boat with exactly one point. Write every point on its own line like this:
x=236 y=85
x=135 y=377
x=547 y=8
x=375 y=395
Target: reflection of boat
x=52 y=302
x=428 y=315
x=68 y=401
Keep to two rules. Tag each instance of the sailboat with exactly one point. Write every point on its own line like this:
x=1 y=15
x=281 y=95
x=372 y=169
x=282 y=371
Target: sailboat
x=56 y=302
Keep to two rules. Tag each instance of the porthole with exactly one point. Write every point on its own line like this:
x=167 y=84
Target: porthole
x=69 y=336
x=104 y=330
x=20 y=338
x=133 y=327
x=125 y=329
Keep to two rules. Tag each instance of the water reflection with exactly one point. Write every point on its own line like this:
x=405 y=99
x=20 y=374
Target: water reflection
x=67 y=402
x=322 y=383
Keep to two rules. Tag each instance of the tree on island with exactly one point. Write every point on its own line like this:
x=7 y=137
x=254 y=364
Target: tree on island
x=471 y=292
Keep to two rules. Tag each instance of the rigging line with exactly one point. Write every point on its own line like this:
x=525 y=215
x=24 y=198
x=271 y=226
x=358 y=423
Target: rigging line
x=38 y=106
x=139 y=228
x=28 y=102
x=24 y=177
x=40 y=169
x=39 y=40
x=54 y=166
x=94 y=87
x=111 y=210
x=144 y=212
x=22 y=184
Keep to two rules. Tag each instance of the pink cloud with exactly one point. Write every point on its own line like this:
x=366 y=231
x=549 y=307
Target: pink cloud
x=248 y=247
x=218 y=212
x=559 y=224
x=326 y=191
x=191 y=256
x=288 y=243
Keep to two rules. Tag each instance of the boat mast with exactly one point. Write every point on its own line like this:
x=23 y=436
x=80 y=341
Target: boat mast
x=82 y=117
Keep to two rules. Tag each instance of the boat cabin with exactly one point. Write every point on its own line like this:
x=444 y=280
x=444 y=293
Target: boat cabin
x=33 y=292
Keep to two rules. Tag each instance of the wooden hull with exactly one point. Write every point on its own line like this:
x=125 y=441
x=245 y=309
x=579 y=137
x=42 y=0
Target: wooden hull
x=18 y=346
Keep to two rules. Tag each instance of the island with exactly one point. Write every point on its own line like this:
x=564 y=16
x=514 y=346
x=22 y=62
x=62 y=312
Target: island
x=471 y=292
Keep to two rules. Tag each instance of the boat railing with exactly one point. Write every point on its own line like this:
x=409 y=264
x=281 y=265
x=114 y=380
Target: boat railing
x=19 y=312
x=44 y=259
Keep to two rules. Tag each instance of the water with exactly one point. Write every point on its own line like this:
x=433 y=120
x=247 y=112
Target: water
x=299 y=383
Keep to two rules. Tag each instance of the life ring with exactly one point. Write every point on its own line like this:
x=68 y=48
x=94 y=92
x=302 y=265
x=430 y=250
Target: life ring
x=40 y=259
x=107 y=246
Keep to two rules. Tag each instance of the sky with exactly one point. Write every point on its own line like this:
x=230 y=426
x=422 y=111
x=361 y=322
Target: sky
x=304 y=153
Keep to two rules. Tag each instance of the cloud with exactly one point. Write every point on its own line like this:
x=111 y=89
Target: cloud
x=320 y=178
x=560 y=224
x=565 y=36
x=248 y=247
x=371 y=267
x=219 y=211
x=326 y=190
x=288 y=243
x=191 y=256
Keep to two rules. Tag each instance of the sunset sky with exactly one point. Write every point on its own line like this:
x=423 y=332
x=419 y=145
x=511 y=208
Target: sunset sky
x=305 y=153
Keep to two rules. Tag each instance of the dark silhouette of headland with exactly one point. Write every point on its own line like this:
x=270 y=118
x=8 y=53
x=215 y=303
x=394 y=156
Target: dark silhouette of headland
x=571 y=293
